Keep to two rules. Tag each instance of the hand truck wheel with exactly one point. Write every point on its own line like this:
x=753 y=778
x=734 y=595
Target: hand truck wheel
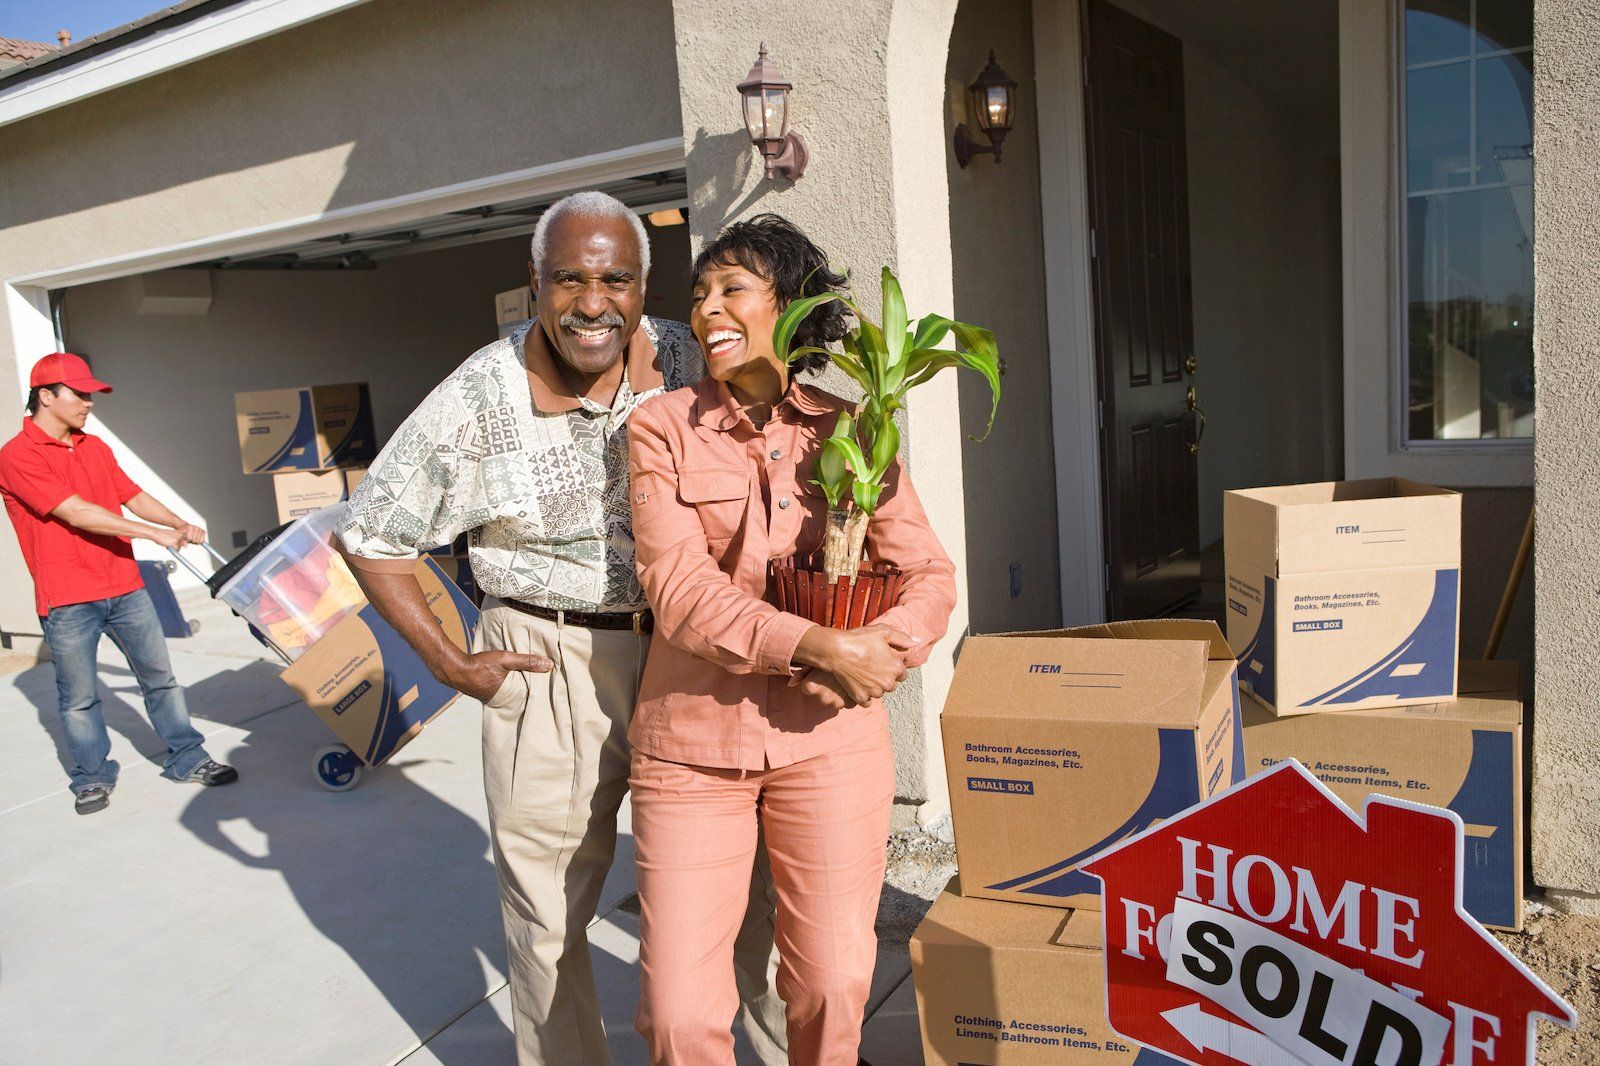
x=336 y=768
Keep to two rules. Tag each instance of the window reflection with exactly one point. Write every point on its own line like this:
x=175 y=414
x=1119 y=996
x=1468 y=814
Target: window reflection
x=1469 y=218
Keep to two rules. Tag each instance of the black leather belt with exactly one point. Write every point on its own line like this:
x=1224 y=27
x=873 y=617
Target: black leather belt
x=637 y=621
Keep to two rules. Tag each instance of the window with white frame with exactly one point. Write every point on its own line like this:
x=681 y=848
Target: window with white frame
x=1468 y=242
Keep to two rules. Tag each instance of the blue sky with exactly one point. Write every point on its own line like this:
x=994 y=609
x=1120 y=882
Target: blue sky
x=38 y=20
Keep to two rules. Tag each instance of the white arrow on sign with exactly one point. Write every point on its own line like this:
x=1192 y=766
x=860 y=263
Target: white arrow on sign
x=1207 y=1032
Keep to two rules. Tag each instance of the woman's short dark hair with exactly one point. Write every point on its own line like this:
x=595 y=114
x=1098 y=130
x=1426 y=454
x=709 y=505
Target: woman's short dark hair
x=774 y=249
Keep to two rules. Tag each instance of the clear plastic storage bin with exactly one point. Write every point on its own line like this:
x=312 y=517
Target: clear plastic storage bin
x=298 y=587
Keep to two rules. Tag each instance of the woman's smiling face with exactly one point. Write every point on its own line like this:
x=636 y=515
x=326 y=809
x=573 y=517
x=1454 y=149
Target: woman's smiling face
x=734 y=312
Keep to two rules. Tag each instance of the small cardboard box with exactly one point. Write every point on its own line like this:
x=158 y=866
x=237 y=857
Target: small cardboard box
x=513 y=306
x=1464 y=755
x=367 y=684
x=303 y=491
x=1344 y=594
x=313 y=428
x=999 y=984
x=1059 y=744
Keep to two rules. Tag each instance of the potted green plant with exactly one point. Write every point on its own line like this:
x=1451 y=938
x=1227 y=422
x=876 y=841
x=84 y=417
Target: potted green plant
x=887 y=361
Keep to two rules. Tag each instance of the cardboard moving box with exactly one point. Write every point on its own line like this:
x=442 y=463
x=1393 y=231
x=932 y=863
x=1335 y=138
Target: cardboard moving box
x=316 y=428
x=304 y=491
x=1059 y=744
x=367 y=684
x=1464 y=755
x=1344 y=594
x=1001 y=984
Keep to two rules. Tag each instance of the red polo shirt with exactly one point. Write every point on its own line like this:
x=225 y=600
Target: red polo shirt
x=38 y=472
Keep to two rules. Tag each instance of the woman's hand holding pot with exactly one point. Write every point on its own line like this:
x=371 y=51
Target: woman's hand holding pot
x=866 y=663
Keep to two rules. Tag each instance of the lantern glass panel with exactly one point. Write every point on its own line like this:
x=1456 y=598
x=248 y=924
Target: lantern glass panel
x=777 y=112
x=997 y=108
x=752 y=115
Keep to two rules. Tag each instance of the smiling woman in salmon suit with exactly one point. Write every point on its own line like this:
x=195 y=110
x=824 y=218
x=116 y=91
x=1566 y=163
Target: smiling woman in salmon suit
x=753 y=722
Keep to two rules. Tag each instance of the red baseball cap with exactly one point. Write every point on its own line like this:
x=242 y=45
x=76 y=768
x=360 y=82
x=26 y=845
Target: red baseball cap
x=64 y=368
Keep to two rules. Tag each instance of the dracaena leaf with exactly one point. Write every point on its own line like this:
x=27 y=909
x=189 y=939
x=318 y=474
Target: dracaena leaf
x=885 y=446
x=931 y=329
x=894 y=321
x=866 y=496
x=978 y=352
x=788 y=323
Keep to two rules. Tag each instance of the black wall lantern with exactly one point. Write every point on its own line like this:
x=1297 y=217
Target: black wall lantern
x=991 y=101
x=765 y=96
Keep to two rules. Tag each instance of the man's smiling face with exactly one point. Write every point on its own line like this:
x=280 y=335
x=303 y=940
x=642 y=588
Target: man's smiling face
x=590 y=290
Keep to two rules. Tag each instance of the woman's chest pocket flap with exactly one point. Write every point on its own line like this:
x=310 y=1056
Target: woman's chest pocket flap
x=719 y=495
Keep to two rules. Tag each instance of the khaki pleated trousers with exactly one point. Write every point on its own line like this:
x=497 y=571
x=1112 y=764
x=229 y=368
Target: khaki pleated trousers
x=555 y=770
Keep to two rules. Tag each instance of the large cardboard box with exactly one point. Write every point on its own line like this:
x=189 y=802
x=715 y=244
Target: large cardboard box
x=1344 y=594
x=303 y=491
x=313 y=428
x=1058 y=744
x=367 y=684
x=1465 y=755
x=999 y=984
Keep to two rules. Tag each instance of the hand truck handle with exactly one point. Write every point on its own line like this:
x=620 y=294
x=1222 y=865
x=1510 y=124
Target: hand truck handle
x=187 y=565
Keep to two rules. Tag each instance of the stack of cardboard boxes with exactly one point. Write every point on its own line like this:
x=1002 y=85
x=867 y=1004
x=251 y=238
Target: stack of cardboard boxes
x=1343 y=608
x=315 y=441
x=1343 y=602
x=1058 y=745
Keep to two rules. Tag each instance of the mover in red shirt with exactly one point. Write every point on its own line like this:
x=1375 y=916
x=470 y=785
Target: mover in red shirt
x=65 y=494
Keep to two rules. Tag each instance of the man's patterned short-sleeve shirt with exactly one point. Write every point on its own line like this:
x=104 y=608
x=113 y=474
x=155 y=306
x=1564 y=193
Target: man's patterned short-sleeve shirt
x=543 y=496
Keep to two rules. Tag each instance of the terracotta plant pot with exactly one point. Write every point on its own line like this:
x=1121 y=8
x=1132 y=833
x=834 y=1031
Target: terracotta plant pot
x=799 y=586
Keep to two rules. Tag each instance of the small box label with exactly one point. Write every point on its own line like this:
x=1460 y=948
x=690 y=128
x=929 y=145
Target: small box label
x=1319 y=626
x=1001 y=785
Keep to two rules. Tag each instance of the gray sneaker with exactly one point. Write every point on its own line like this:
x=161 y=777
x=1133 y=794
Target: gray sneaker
x=92 y=798
x=210 y=772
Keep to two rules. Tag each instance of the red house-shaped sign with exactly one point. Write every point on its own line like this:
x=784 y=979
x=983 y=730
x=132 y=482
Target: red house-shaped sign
x=1271 y=925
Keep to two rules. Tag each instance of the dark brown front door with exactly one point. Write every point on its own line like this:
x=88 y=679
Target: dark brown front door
x=1143 y=324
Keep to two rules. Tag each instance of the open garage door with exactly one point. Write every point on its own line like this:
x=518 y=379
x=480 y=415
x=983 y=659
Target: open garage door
x=397 y=307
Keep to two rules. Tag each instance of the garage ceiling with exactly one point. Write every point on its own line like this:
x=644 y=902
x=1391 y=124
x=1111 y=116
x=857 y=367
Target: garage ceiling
x=360 y=250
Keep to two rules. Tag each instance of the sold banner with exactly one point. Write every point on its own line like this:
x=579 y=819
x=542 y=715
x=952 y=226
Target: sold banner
x=1270 y=925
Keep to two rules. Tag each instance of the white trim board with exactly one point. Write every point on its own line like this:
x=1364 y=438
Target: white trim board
x=1069 y=311
x=161 y=51
x=576 y=173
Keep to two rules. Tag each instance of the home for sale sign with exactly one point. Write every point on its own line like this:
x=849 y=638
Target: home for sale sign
x=1270 y=925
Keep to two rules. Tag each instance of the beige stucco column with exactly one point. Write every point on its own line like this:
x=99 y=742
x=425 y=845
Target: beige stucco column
x=1566 y=738
x=868 y=97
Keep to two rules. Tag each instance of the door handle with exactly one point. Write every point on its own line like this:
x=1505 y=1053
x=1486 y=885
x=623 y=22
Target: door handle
x=1194 y=423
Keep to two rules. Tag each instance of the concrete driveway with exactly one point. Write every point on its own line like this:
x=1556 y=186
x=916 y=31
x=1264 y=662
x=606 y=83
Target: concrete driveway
x=270 y=921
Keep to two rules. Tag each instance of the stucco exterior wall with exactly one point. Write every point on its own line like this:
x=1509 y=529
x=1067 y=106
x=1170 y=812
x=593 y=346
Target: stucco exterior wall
x=999 y=280
x=1566 y=784
x=870 y=199
x=389 y=98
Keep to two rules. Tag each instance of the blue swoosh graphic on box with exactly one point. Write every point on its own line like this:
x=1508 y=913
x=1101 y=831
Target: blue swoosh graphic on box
x=1177 y=786
x=360 y=437
x=1263 y=648
x=1238 y=739
x=1431 y=645
x=303 y=437
x=1485 y=799
x=403 y=669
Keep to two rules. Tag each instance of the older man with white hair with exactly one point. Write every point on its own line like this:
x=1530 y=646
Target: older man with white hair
x=524 y=448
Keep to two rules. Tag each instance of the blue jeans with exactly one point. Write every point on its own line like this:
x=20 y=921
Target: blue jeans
x=74 y=632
